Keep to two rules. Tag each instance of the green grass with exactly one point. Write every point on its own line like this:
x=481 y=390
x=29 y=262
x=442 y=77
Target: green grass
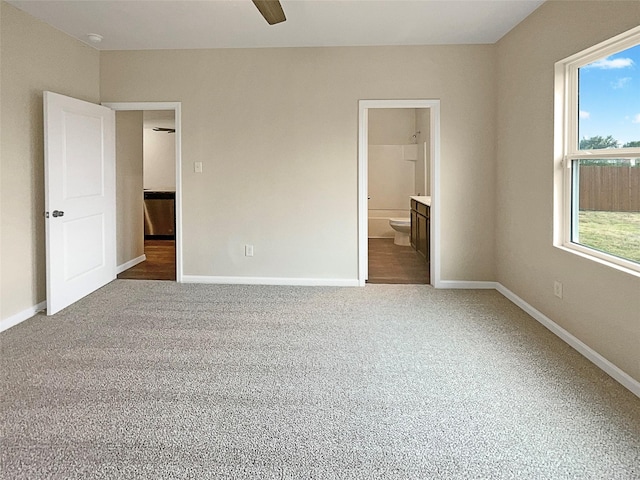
x=617 y=233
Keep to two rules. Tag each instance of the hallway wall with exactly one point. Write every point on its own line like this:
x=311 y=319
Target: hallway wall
x=129 y=176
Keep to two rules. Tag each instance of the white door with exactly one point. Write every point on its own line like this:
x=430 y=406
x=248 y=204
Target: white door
x=80 y=200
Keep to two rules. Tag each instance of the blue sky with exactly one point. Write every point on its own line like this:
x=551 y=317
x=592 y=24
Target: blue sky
x=610 y=97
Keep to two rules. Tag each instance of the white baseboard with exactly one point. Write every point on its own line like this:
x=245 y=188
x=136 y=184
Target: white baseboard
x=313 y=282
x=609 y=368
x=130 y=263
x=471 y=285
x=14 y=320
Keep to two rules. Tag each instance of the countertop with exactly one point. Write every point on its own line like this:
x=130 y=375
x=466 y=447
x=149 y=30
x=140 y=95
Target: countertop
x=425 y=200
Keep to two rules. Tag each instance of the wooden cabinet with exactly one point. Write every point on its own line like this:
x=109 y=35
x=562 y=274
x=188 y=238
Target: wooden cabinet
x=414 y=226
x=420 y=228
x=422 y=244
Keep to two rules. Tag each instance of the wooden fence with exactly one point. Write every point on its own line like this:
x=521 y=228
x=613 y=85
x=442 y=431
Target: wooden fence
x=610 y=189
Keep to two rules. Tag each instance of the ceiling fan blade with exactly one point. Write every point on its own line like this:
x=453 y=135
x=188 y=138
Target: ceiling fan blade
x=271 y=10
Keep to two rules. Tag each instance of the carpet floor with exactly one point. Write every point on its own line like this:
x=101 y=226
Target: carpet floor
x=149 y=379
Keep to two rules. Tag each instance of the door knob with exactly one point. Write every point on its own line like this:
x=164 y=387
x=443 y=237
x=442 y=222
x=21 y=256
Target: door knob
x=58 y=213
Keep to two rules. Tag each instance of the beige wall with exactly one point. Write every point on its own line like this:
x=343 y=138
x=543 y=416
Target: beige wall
x=276 y=131
x=129 y=180
x=601 y=306
x=35 y=57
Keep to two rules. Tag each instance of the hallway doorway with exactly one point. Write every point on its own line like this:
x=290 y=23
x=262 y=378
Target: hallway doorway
x=153 y=254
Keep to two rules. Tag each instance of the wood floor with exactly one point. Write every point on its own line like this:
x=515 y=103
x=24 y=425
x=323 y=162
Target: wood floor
x=159 y=265
x=390 y=263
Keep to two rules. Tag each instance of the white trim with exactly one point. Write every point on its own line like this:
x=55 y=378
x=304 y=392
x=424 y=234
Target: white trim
x=130 y=263
x=177 y=108
x=434 y=209
x=20 y=317
x=594 y=357
x=363 y=194
x=313 y=282
x=466 y=285
x=434 y=168
x=604 y=49
x=588 y=253
x=617 y=263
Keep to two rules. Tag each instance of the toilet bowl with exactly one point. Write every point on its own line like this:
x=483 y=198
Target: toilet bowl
x=402 y=226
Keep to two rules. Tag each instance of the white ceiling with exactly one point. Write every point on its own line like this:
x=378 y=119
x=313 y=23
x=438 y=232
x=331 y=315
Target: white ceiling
x=177 y=24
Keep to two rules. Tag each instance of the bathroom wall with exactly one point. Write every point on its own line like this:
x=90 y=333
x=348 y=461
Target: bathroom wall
x=392 y=167
x=423 y=174
x=391 y=126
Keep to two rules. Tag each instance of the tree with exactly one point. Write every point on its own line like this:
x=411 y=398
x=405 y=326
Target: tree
x=598 y=142
x=631 y=144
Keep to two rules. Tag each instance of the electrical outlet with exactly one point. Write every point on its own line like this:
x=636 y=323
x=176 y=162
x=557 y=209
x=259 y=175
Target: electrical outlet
x=557 y=289
x=248 y=250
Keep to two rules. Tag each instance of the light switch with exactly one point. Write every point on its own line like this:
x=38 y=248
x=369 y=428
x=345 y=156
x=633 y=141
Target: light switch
x=197 y=167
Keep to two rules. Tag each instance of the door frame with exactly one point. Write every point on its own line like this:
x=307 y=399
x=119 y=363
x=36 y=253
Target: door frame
x=434 y=181
x=177 y=109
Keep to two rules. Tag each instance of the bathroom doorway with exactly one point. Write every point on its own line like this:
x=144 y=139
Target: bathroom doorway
x=391 y=133
x=148 y=191
x=398 y=169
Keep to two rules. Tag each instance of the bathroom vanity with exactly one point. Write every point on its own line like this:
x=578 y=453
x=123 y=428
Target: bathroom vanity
x=420 y=227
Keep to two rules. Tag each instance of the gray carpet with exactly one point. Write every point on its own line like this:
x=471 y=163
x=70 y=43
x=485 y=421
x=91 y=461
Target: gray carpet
x=159 y=380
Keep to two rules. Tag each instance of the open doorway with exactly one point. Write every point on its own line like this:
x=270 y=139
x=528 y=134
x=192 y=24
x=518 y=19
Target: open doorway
x=159 y=187
x=398 y=173
x=148 y=190
x=431 y=184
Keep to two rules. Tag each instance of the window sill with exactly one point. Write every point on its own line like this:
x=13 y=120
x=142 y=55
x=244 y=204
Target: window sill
x=578 y=251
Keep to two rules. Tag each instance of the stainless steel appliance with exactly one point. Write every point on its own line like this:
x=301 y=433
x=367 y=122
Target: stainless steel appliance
x=159 y=215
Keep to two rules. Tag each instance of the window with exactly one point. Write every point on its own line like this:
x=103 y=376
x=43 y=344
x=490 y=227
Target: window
x=598 y=147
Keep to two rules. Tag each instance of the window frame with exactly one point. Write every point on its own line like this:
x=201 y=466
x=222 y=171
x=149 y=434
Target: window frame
x=567 y=151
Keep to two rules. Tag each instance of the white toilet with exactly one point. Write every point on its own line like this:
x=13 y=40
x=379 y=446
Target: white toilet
x=402 y=226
